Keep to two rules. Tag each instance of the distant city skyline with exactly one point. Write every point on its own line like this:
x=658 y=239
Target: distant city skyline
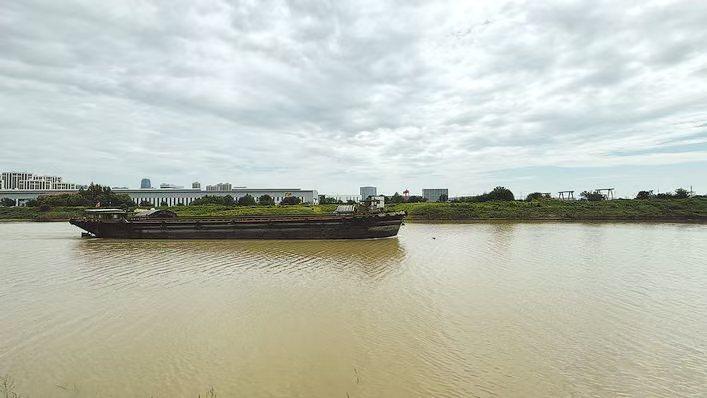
x=533 y=96
x=146 y=183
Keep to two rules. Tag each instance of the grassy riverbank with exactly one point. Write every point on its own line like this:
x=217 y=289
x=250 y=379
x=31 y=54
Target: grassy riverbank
x=693 y=209
x=35 y=214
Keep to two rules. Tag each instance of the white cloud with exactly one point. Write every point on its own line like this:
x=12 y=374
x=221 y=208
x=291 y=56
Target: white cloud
x=336 y=95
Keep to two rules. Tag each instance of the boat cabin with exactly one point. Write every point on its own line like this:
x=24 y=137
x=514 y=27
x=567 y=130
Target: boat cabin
x=114 y=215
x=374 y=204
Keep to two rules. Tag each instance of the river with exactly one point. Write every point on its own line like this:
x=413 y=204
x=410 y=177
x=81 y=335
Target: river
x=444 y=310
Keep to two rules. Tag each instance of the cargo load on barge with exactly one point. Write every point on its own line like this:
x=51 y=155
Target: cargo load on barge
x=353 y=222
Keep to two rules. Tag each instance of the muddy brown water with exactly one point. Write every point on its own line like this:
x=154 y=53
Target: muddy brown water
x=445 y=310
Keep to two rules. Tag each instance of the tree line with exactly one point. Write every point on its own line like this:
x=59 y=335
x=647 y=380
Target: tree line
x=496 y=194
x=90 y=196
x=97 y=195
x=247 y=200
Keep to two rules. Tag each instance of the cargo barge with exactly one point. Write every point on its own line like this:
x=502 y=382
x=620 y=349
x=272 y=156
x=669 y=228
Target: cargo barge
x=164 y=224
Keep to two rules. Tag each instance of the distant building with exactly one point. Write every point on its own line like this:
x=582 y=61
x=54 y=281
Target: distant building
x=170 y=186
x=145 y=183
x=433 y=195
x=196 y=185
x=11 y=179
x=29 y=181
x=368 y=191
x=346 y=198
x=222 y=186
x=176 y=196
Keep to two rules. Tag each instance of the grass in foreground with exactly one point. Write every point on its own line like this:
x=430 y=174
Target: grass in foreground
x=8 y=389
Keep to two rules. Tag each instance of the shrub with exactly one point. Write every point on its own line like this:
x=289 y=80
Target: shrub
x=396 y=198
x=290 y=200
x=501 y=193
x=682 y=193
x=214 y=200
x=416 y=199
x=537 y=196
x=323 y=200
x=644 y=195
x=7 y=202
x=246 y=200
x=498 y=193
x=592 y=196
x=266 y=200
x=88 y=197
x=145 y=203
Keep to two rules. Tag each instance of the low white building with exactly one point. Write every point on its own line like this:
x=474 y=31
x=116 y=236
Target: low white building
x=174 y=197
x=222 y=186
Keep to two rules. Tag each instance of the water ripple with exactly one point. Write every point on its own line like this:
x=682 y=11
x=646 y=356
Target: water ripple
x=443 y=310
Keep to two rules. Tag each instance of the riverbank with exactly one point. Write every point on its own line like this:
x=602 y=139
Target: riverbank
x=66 y=213
x=675 y=210
x=35 y=214
x=687 y=210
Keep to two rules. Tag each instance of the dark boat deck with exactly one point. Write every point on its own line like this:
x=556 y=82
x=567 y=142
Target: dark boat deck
x=248 y=227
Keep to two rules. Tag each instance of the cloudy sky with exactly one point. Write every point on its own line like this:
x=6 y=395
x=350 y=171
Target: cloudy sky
x=536 y=96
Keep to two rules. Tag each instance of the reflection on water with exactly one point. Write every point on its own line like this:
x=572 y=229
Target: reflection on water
x=373 y=258
x=497 y=309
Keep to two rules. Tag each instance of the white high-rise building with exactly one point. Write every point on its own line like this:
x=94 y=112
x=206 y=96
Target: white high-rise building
x=29 y=181
x=11 y=179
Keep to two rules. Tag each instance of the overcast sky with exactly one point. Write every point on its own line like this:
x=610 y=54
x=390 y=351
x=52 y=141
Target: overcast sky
x=536 y=96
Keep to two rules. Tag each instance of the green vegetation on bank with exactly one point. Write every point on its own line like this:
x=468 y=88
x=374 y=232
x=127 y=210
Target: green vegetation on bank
x=691 y=209
x=36 y=214
x=550 y=209
x=499 y=204
x=86 y=197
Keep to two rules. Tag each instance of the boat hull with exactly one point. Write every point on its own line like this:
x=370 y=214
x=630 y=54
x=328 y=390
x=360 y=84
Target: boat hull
x=324 y=227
